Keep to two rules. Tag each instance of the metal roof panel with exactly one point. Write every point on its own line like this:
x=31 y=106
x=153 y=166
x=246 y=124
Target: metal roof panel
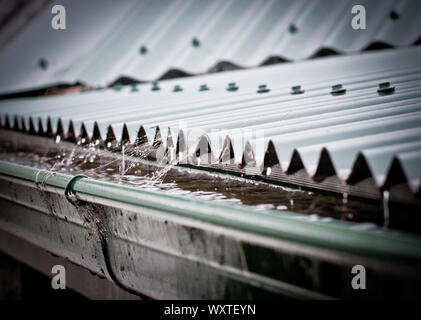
x=144 y=40
x=328 y=135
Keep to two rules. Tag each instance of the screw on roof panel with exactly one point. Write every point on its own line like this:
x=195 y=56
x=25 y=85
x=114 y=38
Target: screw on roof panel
x=143 y=50
x=263 y=89
x=394 y=15
x=203 y=87
x=292 y=28
x=177 y=88
x=155 y=86
x=338 y=90
x=297 y=90
x=134 y=88
x=385 y=89
x=195 y=42
x=232 y=87
x=43 y=64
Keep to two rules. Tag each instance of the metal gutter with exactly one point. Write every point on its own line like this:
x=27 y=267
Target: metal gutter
x=78 y=278
x=179 y=231
x=287 y=226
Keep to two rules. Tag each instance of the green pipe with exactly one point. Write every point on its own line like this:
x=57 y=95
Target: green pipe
x=333 y=235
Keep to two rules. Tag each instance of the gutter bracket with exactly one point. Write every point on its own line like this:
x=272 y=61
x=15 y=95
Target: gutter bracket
x=69 y=192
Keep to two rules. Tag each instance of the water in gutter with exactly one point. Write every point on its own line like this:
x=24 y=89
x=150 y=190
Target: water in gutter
x=121 y=168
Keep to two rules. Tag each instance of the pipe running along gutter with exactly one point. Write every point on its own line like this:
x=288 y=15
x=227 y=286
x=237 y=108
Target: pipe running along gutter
x=333 y=235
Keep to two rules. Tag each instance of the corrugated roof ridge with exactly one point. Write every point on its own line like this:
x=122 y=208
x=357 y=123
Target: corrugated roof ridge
x=203 y=156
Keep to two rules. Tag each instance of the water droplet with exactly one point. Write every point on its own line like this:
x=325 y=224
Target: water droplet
x=123 y=162
x=386 y=208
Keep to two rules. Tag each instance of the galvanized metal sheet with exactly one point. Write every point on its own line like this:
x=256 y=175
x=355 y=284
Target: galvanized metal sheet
x=340 y=131
x=144 y=40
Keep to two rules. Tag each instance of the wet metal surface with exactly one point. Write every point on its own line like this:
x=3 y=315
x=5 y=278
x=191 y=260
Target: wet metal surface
x=188 y=182
x=149 y=241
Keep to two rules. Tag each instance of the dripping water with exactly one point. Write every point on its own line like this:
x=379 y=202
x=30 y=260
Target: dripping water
x=386 y=209
x=123 y=161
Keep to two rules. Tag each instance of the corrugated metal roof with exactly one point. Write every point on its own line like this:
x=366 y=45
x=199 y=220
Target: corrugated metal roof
x=353 y=125
x=144 y=40
x=15 y=14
